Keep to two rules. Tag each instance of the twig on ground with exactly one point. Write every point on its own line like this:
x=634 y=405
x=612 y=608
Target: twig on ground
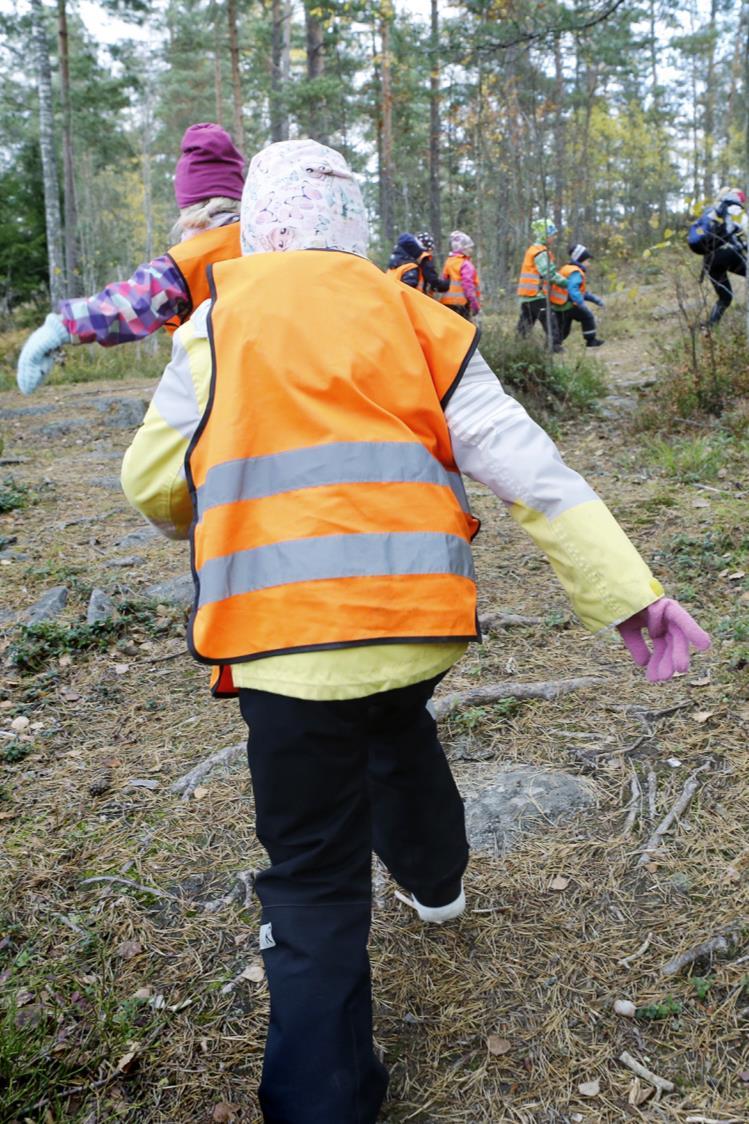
x=714 y=1120
x=494 y=692
x=652 y=792
x=489 y=621
x=186 y=785
x=680 y=806
x=633 y=805
x=726 y=942
x=661 y=1084
x=117 y=880
x=627 y=960
x=243 y=880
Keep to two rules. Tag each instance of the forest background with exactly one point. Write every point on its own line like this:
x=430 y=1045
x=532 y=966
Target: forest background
x=619 y=119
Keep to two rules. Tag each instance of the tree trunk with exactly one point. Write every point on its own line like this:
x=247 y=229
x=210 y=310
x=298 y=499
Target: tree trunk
x=280 y=51
x=218 y=53
x=386 y=116
x=709 y=109
x=236 y=85
x=435 y=211
x=72 y=273
x=317 y=117
x=559 y=133
x=52 y=219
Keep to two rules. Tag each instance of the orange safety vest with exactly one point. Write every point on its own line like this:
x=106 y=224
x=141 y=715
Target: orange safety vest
x=451 y=270
x=193 y=257
x=329 y=511
x=530 y=282
x=399 y=272
x=559 y=296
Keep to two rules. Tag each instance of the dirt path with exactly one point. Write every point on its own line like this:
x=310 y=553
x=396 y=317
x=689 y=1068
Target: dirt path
x=133 y=995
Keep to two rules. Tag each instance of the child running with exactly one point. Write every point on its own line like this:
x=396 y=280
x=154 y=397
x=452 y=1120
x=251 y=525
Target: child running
x=309 y=435
x=208 y=183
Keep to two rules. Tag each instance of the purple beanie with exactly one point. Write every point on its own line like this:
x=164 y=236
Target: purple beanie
x=209 y=165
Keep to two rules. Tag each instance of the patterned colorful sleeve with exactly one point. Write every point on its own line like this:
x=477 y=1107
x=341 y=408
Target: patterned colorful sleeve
x=468 y=277
x=129 y=310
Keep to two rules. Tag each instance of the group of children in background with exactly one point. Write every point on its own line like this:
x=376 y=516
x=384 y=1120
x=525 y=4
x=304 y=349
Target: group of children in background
x=308 y=436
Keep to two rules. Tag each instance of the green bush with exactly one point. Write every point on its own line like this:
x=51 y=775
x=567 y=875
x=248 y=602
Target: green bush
x=705 y=374
x=13 y=495
x=550 y=387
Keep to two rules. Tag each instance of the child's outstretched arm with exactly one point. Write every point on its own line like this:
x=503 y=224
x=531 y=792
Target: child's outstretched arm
x=122 y=312
x=608 y=583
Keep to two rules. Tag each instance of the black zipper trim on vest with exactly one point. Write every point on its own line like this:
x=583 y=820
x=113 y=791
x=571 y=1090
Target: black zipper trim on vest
x=188 y=471
x=462 y=369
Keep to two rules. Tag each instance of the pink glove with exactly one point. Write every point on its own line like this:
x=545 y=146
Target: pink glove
x=671 y=629
x=475 y=308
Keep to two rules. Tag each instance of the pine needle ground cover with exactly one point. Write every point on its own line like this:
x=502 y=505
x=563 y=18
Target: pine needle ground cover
x=132 y=987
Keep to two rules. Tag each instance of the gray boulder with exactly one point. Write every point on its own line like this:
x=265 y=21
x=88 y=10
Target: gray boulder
x=522 y=798
x=49 y=606
x=122 y=413
x=100 y=607
x=176 y=591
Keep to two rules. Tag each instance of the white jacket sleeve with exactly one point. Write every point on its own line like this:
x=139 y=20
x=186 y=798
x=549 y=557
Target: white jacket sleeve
x=496 y=443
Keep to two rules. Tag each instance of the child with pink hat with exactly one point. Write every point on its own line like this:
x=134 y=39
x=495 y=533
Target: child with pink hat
x=208 y=181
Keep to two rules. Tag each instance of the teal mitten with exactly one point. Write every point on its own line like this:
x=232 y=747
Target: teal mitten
x=38 y=353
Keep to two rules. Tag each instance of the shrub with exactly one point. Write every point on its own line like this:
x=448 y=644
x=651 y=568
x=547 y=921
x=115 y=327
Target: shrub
x=13 y=495
x=548 y=386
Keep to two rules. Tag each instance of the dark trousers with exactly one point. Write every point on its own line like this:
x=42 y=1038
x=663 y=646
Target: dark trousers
x=462 y=310
x=717 y=266
x=537 y=310
x=584 y=318
x=332 y=782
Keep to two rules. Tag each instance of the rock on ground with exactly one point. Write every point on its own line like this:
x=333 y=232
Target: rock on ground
x=100 y=607
x=176 y=591
x=49 y=605
x=522 y=798
x=122 y=413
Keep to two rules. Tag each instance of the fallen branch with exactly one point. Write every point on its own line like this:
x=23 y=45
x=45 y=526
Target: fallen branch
x=680 y=806
x=633 y=805
x=725 y=942
x=117 y=880
x=652 y=793
x=187 y=784
x=494 y=692
x=660 y=1084
x=489 y=621
x=627 y=960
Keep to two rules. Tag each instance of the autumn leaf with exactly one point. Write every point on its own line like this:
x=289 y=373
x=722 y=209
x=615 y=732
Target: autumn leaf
x=560 y=882
x=589 y=1088
x=497 y=1046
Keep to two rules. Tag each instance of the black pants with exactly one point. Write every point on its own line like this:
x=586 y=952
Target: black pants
x=717 y=266
x=332 y=782
x=537 y=310
x=583 y=316
x=462 y=310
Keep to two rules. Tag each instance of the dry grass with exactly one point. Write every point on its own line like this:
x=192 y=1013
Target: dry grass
x=535 y=966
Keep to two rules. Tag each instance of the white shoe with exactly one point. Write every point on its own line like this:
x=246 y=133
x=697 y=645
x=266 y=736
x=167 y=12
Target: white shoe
x=436 y=914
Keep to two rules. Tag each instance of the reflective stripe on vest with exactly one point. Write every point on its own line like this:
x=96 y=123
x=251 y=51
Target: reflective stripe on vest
x=193 y=257
x=455 y=294
x=530 y=282
x=329 y=510
x=341 y=463
x=559 y=296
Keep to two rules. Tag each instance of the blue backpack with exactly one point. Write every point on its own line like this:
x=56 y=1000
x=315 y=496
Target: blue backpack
x=698 y=236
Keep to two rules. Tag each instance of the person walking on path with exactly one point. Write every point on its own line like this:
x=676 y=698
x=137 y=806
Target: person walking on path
x=537 y=273
x=208 y=183
x=720 y=240
x=411 y=262
x=569 y=303
x=463 y=294
x=334 y=584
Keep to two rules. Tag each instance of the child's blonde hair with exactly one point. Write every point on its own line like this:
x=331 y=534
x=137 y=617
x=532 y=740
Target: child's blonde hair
x=198 y=216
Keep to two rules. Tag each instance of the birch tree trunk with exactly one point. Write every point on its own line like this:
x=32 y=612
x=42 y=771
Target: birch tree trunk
x=236 y=85
x=52 y=218
x=709 y=108
x=559 y=133
x=435 y=211
x=386 y=116
x=72 y=272
x=280 y=52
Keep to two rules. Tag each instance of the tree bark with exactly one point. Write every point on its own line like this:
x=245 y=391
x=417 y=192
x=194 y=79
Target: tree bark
x=708 y=127
x=218 y=85
x=72 y=273
x=386 y=116
x=435 y=211
x=280 y=49
x=52 y=218
x=317 y=117
x=559 y=134
x=236 y=84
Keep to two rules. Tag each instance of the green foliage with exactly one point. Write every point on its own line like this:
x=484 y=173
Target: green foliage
x=13 y=495
x=701 y=985
x=548 y=387
x=688 y=459
x=14 y=751
x=38 y=644
x=653 y=1012
x=23 y=242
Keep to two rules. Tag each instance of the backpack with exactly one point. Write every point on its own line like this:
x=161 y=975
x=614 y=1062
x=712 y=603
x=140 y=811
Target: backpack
x=698 y=237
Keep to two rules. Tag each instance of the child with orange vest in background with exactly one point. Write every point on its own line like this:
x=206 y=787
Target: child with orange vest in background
x=208 y=183
x=309 y=435
x=537 y=273
x=464 y=293
x=569 y=303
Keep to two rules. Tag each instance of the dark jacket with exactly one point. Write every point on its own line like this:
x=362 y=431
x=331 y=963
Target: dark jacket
x=409 y=249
